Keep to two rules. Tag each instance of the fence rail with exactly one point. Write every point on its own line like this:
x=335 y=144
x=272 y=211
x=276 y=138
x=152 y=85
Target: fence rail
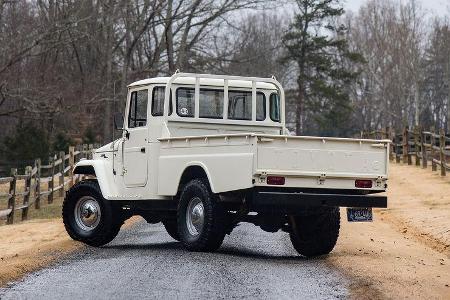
x=425 y=146
x=59 y=178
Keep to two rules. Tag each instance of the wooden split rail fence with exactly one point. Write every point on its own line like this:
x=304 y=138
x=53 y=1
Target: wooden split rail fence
x=425 y=146
x=59 y=177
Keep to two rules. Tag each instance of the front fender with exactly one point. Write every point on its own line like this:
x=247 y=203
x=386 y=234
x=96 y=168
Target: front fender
x=102 y=170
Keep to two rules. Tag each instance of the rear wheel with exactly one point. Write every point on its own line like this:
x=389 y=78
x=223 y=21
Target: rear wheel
x=88 y=217
x=315 y=234
x=172 y=228
x=201 y=219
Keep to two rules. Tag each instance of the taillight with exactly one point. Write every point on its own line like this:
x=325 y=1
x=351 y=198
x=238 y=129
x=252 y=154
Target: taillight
x=363 y=183
x=275 y=180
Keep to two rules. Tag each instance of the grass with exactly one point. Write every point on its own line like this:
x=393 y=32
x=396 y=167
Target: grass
x=47 y=211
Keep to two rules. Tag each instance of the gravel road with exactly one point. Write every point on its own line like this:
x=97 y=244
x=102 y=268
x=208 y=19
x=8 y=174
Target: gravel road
x=143 y=261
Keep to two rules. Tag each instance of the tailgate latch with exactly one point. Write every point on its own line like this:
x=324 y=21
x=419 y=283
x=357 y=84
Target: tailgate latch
x=321 y=179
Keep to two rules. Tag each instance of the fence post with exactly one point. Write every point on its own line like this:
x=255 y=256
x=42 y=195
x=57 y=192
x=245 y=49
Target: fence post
x=396 y=147
x=37 y=191
x=441 y=151
x=77 y=177
x=91 y=151
x=416 y=144
x=51 y=182
x=62 y=166
x=26 y=197
x=12 y=197
x=71 y=164
x=433 y=144
x=391 y=145
x=423 y=148
x=405 y=145
x=85 y=152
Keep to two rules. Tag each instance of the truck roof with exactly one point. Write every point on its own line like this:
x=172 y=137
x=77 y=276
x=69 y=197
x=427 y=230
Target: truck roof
x=204 y=82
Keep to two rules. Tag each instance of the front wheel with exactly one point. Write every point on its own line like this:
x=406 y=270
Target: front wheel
x=88 y=217
x=201 y=219
x=315 y=234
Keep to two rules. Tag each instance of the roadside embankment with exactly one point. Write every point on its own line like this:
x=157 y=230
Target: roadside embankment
x=31 y=245
x=405 y=252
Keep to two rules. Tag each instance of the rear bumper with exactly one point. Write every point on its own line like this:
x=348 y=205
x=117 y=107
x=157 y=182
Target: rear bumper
x=289 y=201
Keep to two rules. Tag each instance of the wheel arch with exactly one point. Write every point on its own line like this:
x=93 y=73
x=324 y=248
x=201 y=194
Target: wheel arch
x=84 y=170
x=102 y=171
x=195 y=170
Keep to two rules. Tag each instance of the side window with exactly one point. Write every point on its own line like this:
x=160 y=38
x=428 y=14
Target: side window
x=211 y=103
x=260 y=107
x=158 y=96
x=240 y=105
x=274 y=107
x=185 y=102
x=137 y=116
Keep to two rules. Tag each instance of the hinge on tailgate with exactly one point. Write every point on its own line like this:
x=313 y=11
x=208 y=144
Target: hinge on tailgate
x=321 y=179
x=262 y=177
x=379 y=181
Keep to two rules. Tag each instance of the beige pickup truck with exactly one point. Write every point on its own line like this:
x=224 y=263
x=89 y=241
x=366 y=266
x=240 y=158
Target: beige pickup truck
x=202 y=153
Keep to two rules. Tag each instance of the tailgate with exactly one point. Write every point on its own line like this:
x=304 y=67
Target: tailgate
x=315 y=156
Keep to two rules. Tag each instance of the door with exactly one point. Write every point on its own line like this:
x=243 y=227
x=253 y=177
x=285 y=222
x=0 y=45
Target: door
x=135 y=146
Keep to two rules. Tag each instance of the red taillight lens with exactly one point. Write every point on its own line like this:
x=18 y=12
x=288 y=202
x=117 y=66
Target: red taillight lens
x=363 y=183
x=275 y=180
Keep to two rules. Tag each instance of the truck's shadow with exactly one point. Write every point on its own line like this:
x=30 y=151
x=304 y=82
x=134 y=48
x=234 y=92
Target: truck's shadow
x=241 y=252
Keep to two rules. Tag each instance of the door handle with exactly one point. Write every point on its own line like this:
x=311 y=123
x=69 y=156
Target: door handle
x=143 y=149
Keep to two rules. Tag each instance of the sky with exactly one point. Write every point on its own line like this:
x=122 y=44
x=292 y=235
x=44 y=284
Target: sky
x=433 y=7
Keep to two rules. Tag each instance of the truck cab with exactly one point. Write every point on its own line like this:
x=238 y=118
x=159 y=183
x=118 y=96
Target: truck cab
x=202 y=153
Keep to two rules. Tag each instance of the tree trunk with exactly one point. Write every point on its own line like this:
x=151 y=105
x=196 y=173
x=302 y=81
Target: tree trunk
x=416 y=104
x=107 y=130
x=127 y=52
x=299 y=109
x=448 y=95
x=169 y=38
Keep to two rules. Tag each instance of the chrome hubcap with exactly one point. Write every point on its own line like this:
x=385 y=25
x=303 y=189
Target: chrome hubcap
x=195 y=216
x=87 y=213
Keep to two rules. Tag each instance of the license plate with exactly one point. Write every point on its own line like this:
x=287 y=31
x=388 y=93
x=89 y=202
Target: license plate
x=359 y=214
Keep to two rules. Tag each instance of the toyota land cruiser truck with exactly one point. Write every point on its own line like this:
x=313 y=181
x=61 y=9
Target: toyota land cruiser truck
x=202 y=153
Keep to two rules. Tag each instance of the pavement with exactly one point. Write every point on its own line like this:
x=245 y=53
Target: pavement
x=144 y=261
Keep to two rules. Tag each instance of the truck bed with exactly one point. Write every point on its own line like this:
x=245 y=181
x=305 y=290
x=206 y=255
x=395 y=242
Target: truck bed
x=240 y=161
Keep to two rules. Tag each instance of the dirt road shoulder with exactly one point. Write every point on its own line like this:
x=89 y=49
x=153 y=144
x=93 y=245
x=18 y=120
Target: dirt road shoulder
x=31 y=245
x=405 y=252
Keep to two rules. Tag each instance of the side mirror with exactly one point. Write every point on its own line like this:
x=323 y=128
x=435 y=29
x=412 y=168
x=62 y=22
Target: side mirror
x=118 y=121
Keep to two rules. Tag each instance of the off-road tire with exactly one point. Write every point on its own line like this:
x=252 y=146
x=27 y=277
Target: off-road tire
x=110 y=221
x=315 y=234
x=214 y=227
x=172 y=228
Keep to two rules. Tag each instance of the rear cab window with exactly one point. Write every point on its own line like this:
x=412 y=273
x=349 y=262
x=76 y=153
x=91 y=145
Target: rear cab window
x=185 y=102
x=211 y=104
x=240 y=105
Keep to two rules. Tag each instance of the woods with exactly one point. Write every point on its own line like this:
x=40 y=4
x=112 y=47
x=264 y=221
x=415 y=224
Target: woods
x=69 y=62
x=406 y=78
